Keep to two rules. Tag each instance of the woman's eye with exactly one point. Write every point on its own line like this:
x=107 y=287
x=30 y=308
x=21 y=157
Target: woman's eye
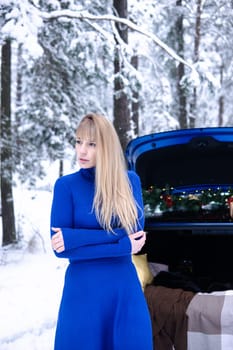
x=92 y=144
x=78 y=142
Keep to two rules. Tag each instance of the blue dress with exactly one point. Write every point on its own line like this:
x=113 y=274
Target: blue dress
x=103 y=306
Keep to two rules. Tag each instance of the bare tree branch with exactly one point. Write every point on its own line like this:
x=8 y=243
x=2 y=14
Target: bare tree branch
x=87 y=16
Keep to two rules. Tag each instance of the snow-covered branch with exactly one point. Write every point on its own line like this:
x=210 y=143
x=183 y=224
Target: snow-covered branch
x=112 y=18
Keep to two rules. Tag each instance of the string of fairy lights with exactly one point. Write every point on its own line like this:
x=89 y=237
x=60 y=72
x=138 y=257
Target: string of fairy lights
x=160 y=200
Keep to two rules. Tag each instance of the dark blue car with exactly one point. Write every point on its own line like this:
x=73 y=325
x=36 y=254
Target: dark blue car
x=187 y=181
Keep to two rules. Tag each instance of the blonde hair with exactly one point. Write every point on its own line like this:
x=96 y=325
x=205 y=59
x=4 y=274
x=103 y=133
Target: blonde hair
x=113 y=200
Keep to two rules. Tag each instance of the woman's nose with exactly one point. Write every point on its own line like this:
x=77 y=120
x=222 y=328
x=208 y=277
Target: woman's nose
x=83 y=148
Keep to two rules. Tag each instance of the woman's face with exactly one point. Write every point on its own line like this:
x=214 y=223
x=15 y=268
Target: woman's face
x=86 y=153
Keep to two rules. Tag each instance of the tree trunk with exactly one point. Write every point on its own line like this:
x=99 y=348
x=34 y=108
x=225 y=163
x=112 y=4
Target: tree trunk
x=181 y=71
x=120 y=104
x=193 y=107
x=135 y=103
x=8 y=217
x=61 y=168
x=221 y=101
x=18 y=101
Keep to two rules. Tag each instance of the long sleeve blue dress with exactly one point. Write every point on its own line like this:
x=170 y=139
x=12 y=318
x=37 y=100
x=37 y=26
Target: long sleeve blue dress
x=103 y=306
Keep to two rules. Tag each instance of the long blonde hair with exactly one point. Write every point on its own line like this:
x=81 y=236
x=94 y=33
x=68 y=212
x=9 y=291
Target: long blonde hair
x=113 y=198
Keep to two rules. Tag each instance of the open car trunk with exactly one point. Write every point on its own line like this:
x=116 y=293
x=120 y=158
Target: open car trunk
x=187 y=185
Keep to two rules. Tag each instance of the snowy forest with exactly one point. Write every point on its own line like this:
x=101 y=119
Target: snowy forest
x=150 y=66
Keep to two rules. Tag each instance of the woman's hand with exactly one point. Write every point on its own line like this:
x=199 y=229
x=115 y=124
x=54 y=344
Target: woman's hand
x=137 y=240
x=57 y=240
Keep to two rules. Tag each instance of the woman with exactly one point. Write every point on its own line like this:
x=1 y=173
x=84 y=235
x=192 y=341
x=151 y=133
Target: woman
x=97 y=223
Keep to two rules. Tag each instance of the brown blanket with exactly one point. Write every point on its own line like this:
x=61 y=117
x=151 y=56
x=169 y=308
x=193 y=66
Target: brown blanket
x=167 y=308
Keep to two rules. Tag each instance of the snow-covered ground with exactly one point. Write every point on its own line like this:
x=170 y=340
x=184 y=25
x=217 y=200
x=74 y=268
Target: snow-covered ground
x=31 y=277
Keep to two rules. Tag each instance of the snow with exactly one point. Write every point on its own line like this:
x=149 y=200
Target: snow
x=31 y=277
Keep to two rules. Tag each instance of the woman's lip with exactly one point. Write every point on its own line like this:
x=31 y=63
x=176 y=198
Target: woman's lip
x=83 y=160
